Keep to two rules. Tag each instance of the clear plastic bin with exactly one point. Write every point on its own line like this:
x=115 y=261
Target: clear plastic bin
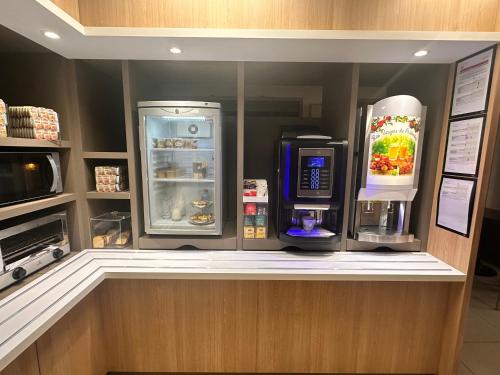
x=111 y=230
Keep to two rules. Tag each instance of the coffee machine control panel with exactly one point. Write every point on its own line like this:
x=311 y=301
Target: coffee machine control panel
x=315 y=177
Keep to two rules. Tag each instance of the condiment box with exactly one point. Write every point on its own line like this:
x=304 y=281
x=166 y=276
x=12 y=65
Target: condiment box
x=255 y=208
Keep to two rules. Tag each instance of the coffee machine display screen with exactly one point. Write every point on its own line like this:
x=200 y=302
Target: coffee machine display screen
x=315 y=161
x=315 y=173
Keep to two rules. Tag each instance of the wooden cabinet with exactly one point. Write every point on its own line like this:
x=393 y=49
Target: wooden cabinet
x=25 y=364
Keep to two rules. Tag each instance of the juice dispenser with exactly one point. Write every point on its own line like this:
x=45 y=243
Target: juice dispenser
x=389 y=179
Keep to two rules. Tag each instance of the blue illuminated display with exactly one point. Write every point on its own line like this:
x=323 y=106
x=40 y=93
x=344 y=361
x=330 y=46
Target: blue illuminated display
x=316 y=162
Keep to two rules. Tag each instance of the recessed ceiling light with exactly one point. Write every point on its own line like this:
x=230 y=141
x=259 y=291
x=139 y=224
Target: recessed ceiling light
x=421 y=53
x=175 y=50
x=51 y=35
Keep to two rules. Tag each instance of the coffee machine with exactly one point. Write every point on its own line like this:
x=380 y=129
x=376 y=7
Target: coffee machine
x=391 y=164
x=310 y=189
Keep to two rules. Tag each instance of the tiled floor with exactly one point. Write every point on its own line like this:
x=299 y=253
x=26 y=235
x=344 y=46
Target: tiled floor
x=481 y=351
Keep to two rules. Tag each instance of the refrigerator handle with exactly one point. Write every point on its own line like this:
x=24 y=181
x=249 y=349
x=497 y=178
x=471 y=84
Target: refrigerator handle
x=143 y=149
x=142 y=145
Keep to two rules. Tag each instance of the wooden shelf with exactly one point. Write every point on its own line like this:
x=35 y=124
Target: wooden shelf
x=27 y=207
x=27 y=142
x=113 y=195
x=225 y=242
x=105 y=155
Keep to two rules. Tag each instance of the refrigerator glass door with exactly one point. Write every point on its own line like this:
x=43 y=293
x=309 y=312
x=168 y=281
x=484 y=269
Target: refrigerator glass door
x=182 y=171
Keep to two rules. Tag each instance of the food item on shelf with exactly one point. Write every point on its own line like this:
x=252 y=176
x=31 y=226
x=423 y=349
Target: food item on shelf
x=169 y=172
x=33 y=122
x=249 y=231
x=249 y=220
x=111 y=238
x=175 y=143
x=262 y=209
x=3 y=119
x=107 y=170
x=254 y=188
x=200 y=169
x=178 y=143
x=110 y=188
x=201 y=218
x=260 y=232
x=111 y=230
x=99 y=242
x=250 y=208
x=260 y=220
x=161 y=143
x=110 y=179
x=201 y=203
x=255 y=208
x=176 y=214
x=161 y=172
x=123 y=239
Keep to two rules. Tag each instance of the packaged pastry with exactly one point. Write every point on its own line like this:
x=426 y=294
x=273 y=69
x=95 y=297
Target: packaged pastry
x=108 y=179
x=33 y=122
x=110 y=188
x=110 y=170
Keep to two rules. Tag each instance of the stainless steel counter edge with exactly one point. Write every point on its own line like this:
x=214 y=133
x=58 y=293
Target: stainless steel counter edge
x=30 y=311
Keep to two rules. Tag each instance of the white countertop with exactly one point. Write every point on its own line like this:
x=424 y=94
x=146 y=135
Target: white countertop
x=30 y=311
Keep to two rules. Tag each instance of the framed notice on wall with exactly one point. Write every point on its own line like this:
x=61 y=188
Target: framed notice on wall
x=455 y=204
x=472 y=83
x=463 y=146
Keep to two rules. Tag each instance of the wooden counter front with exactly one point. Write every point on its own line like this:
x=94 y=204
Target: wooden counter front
x=249 y=326
x=229 y=312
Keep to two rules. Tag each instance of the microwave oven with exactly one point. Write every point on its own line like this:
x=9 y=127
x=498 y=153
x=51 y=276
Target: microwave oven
x=29 y=246
x=29 y=175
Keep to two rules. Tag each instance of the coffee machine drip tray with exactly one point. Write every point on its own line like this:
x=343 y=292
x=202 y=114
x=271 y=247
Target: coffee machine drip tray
x=316 y=232
x=383 y=236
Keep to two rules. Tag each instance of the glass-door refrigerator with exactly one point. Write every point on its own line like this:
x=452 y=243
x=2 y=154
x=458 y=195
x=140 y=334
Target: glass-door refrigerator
x=181 y=167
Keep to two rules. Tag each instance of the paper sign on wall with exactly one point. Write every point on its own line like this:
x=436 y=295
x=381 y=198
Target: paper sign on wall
x=472 y=81
x=455 y=204
x=463 y=146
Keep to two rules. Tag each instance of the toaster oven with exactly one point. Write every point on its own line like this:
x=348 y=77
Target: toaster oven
x=27 y=247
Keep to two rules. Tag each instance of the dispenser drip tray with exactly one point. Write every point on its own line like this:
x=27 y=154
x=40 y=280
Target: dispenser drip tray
x=316 y=232
x=383 y=236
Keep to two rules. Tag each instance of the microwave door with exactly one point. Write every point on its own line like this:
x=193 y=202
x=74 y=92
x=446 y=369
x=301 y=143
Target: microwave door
x=26 y=176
